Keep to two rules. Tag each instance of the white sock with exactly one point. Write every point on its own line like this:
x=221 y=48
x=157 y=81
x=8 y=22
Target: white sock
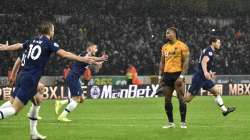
x=7 y=112
x=33 y=113
x=33 y=119
x=6 y=104
x=70 y=107
x=33 y=126
x=63 y=102
x=37 y=110
x=220 y=103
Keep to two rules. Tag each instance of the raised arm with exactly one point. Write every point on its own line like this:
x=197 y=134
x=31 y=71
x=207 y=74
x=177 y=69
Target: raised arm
x=65 y=54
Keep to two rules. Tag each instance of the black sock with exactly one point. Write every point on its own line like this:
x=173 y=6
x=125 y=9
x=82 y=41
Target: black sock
x=183 y=110
x=169 y=111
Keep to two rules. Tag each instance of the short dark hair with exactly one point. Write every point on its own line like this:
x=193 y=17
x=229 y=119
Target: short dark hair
x=175 y=30
x=45 y=27
x=89 y=44
x=213 y=40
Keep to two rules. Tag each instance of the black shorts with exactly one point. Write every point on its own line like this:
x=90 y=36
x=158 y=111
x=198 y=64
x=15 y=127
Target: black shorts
x=170 y=78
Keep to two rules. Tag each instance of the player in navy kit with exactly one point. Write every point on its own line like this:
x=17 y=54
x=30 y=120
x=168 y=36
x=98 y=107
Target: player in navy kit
x=74 y=85
x=204 y=76
x=37 y=53
x=37 y=99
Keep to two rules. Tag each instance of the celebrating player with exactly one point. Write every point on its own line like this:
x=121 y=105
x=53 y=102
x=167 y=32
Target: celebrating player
x=37 y=98
x=74 y=85
x=203 y=77
x=173 y=67
x=36 y=55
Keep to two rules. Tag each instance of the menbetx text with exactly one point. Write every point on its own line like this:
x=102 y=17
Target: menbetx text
x=132 y=92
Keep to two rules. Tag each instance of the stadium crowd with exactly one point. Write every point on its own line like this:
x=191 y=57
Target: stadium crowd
x=129 y=33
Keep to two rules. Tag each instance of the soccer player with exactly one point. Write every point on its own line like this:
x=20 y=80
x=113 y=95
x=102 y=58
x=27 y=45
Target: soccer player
x=36 y=101
x=173 y=67
x=74 y=85
x=36 y=55
x=204 y=75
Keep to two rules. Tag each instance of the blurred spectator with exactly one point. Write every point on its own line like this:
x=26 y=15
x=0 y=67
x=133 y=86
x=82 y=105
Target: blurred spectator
x=87 y=76
x=132 y=76
x=131 y=31
x=66 y=71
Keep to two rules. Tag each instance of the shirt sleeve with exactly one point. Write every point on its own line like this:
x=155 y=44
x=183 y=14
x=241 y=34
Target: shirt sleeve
x=162 y=50
x=26 y=44
x=185 y=49
x=208 y=53
x=54 y=47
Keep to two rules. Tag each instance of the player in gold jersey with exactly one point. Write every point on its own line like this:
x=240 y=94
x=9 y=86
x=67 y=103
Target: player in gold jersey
x=173 y=67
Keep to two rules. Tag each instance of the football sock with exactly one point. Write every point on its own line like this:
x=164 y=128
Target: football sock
x=33 y=119
x=70 y=107
x=169 y=111
x=34 y=111
x=6 y=104
x=220 y=103
x=183 y=110
x=37 y=110
x=7 y=112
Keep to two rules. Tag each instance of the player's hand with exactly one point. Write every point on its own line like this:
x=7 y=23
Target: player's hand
x=12 y=80
x=213 y=75
x=207 y=75
x=104 y=56
x=88 y=60
x=159 y=79
x=11 y=83
x=99 y=63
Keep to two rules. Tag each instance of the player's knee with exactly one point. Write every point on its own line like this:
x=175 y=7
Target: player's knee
x=188 y=98
x=41 y=88
x=82 y=100
x=178 y=84
x=77 y=99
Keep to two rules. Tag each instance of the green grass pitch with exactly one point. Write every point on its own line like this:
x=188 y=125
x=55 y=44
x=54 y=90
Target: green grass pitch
x=136 y=119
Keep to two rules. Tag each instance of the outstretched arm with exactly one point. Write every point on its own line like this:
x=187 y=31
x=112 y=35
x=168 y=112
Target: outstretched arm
x=102 y=58
x=14 y=47
x=65 y=54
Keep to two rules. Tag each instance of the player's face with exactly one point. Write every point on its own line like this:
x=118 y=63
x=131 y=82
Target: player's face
x=217 y=44
x=170 y=35
x=93 y=50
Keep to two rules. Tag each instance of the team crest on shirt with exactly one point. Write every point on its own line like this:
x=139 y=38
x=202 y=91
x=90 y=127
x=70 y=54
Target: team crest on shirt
x=56 y=45
x=210 y=53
